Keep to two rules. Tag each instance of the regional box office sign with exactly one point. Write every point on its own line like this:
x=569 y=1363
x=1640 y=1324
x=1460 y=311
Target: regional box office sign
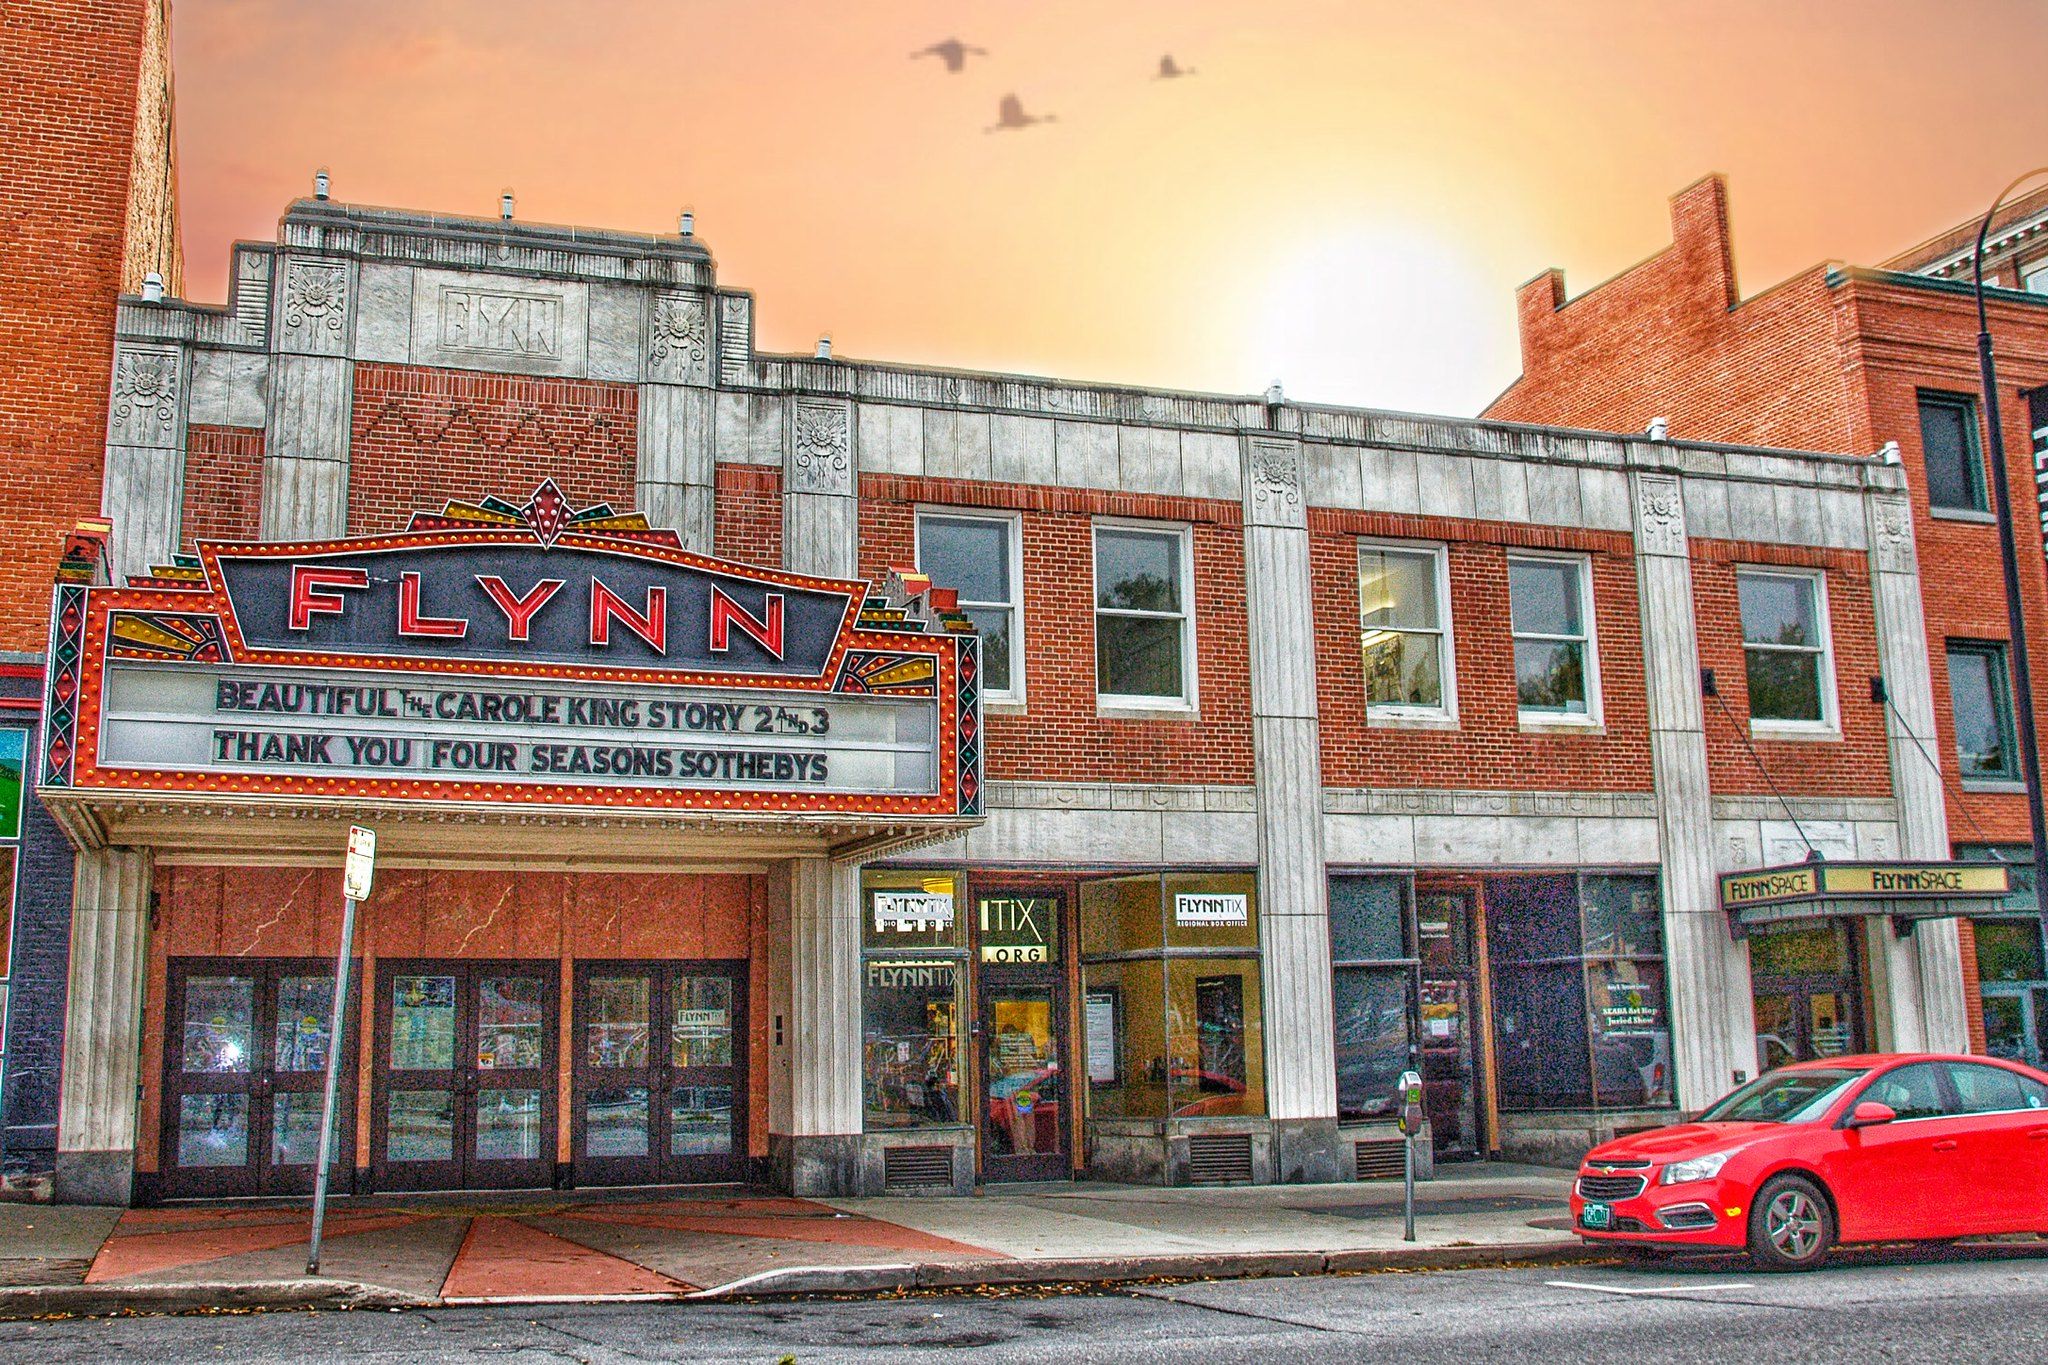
x=525 y=654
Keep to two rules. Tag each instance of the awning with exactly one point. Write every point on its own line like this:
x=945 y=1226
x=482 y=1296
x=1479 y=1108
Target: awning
x=1905 y=892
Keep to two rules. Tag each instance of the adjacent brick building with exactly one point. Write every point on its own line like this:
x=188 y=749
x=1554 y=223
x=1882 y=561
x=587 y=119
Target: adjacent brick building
x=1861 y=361
x=88 y=210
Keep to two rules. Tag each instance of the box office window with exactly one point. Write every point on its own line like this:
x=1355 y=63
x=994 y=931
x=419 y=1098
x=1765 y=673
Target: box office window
x=913 y=970
x=977 y=556
x=1580 y=1016
x=1373 y=967
x=1171 y=1006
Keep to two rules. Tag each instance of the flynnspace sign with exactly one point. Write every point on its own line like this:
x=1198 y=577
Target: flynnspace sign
x=511 y=654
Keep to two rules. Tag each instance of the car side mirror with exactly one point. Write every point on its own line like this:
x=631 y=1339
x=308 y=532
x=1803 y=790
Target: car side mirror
x=1870 y=1113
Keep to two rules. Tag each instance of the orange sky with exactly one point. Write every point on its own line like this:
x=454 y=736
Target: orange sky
x=1343 y=195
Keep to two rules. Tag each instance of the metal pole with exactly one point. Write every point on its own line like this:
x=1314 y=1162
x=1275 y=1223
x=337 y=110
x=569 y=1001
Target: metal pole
x=1408 y=1189
x=2016 y=618
x=336 y=1031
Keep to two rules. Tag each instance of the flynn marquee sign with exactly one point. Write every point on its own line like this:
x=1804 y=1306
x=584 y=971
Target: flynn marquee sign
x=525 y=655
x=1905 y=891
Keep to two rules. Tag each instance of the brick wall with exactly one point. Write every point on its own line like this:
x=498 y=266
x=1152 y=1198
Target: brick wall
x=1488 y=749
x=422 y=436
x=1062 y=736
x=223 y=484
x=69 y=105
x=749 y=515
x=1856 y=764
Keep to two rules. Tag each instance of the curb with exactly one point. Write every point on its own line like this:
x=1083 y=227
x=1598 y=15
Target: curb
x=799 y=1281
x=114 y=1300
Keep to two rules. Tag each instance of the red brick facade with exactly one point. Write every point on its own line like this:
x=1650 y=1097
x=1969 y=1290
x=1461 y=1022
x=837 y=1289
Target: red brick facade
x=80 y=75
x=223 y=484
x=423 y=436
x=1062 y=735
x=749 y=516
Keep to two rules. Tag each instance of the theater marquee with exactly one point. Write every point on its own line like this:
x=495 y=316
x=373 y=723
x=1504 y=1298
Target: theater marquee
x=525 y=655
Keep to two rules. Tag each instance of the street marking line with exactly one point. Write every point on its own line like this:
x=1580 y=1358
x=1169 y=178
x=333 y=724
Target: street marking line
x=1647 y=1289
x=783 y=1272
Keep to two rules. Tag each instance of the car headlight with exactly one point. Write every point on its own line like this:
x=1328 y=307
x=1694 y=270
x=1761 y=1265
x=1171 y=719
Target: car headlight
x=1696 y=1168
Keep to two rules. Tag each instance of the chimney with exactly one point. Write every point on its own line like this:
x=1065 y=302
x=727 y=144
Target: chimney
x=1699 y=232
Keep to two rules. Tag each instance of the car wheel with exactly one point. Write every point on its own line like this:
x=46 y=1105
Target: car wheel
x=1791 y=1226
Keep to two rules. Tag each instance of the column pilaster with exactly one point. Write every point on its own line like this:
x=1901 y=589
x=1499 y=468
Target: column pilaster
x=99 y=1089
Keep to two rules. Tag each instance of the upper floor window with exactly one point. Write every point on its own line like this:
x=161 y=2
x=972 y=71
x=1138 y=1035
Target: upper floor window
x=1785 y=647
x=1144 y=629
x=1550 y=606
x=978 y=556
x=2034 y=276
x=1404 y=621
x=1948 y=452
x=1981 y=695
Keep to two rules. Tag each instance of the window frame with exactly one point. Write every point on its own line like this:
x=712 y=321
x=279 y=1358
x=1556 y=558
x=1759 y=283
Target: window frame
x=1447 y=652
x=1188 y=702
x=1014 y=694
x=2000 y=673
x=1830 y=723
x=1979 y=477
x=1592 y=717
x=2034 y=276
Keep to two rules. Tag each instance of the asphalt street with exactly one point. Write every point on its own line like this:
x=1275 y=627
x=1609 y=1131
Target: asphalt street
x=1972 y=1305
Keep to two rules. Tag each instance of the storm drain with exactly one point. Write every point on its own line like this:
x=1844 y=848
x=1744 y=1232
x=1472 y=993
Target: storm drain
x=916 y=1167
x=1220 y=1159
x=1381 y=1160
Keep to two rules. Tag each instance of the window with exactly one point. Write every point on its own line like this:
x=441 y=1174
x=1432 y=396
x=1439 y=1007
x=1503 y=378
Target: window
x=978 y=556
x=1404 y=630
x=1556 y=673
x=2034 y=276
x=912 y=971
x=1170 y=981
x=1785 y=648
x=1579 y=1009
x=1373 y=984
x=1948 y=450
x=1143 y=633
x=1984 y=1089
x=1913 y=1092
x=1979 y=688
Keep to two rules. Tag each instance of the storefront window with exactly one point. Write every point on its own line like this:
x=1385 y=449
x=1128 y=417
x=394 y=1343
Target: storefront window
x=1171 y=1010
x=913 y=971
x=1579 y=1008
x=1372 y=984
x=2008 y=950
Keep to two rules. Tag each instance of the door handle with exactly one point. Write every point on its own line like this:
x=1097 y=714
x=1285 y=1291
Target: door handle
x=1947 y=1146
x=2038 y=1134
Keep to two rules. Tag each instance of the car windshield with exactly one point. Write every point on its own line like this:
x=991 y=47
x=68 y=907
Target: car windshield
x=1784 y=1097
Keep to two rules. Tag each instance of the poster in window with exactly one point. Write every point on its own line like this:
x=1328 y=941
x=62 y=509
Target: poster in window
x=1100 y=1025
x=13 y=748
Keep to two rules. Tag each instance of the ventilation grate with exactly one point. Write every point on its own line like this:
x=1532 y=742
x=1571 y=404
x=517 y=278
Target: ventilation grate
x=913 y=1167
x=1386 y=1159
x=1220 y=1159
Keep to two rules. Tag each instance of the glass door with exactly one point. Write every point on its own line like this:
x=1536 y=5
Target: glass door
x=245 y=1064
x=1806 y=994
x=1450 y=1053
x=2016 y=1023
x=660 y=1071
x=464 y=1098
x=1023 y=1135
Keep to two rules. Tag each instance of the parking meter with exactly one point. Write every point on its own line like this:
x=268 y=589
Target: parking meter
x=1408 y=1115
x=1408 y=1103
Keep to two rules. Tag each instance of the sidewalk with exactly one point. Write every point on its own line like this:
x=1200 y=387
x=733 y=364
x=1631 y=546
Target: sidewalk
x=425 y=1251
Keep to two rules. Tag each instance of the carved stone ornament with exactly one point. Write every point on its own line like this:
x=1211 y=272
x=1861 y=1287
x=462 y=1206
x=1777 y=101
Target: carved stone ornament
x=1892 y=536
x=1660 y=516
x=821 y=449
x=144 y=407
x=679 y=338
x=1276 y=475
x=315 y=297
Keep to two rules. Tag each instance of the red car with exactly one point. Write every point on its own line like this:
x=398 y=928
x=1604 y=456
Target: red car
x=1891 y=1148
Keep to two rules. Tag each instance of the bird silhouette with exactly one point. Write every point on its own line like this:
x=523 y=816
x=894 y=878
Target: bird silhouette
x=1010 y=116
x=952 y=52
x=1169 y=68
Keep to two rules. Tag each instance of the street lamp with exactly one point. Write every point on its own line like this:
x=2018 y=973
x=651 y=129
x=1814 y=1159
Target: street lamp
x=2023 y=675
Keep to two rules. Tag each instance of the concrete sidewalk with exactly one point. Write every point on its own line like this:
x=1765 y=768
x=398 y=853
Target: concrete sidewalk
x=600 y=1246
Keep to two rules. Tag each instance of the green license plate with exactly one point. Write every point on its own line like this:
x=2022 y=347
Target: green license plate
x=1596 y=1216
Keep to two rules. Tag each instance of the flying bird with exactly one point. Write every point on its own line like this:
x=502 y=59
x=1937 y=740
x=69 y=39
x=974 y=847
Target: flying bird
x=952 y=52
x=1010 y=115
x=1169 y=68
